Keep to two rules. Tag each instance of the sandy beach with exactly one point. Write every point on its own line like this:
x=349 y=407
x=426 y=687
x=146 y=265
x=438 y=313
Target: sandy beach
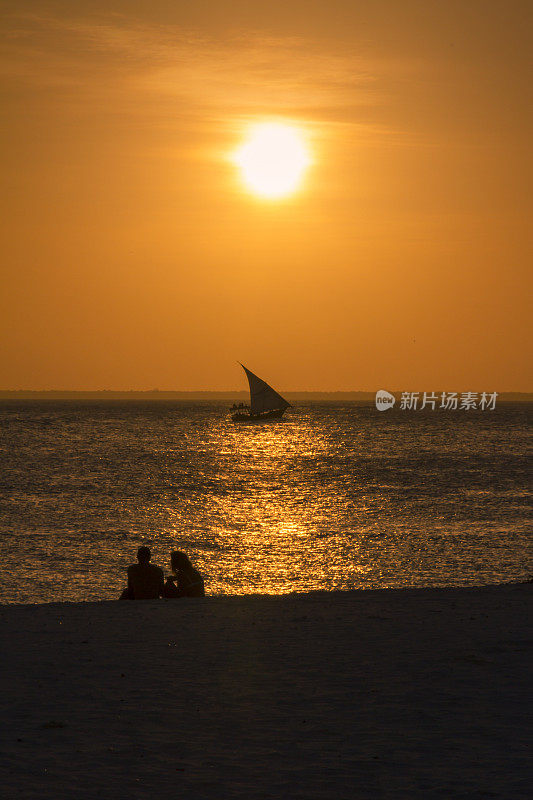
x=372 y=694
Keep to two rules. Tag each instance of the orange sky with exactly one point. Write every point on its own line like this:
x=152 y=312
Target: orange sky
x=133 y=257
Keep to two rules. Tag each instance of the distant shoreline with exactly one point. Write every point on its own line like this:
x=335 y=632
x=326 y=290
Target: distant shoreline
x=108 y=394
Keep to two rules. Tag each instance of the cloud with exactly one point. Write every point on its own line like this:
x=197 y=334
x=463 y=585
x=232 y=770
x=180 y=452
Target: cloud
x=113 y=59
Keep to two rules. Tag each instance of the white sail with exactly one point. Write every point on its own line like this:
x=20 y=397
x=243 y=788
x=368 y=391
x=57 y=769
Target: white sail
x=262 y=396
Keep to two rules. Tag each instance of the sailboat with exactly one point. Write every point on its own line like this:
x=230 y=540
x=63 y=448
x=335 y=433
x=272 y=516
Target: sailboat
x=265 y=402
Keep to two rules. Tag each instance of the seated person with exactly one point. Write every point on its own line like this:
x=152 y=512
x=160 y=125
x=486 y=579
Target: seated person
x=145 y=580
x=189 y=581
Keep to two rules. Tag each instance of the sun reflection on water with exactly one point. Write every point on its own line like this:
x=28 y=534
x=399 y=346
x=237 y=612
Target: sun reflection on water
x=271 y=525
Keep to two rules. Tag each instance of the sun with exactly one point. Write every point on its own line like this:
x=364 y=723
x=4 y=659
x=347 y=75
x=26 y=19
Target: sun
x=273 y=159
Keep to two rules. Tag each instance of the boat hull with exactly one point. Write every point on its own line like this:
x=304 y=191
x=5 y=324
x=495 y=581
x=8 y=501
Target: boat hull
x=265 y=416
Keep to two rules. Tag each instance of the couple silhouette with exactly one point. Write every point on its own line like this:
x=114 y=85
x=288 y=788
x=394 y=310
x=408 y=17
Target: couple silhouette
x=147 y=582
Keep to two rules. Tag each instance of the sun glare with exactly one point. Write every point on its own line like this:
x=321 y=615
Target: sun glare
x=273 y=159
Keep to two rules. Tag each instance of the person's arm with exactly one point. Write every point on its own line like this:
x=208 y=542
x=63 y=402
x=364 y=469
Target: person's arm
x=170 y=590
x=188 y=583
x=130 y=582
x=161 y=583
x=183 y=583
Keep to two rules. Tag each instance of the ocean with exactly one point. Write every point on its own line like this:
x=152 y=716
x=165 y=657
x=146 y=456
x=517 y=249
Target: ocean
x=338 y=496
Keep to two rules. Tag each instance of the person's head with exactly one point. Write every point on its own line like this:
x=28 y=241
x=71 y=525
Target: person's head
x=143 y=555
x=179 y=560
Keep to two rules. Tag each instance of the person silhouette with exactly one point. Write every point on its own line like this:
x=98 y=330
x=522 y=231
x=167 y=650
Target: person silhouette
x=145 y=580
x=189 y=581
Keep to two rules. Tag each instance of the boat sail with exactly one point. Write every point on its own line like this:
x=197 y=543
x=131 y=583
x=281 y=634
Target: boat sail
x=265 y=402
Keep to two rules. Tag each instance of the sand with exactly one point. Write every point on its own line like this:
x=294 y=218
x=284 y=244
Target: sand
x=374 y=694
